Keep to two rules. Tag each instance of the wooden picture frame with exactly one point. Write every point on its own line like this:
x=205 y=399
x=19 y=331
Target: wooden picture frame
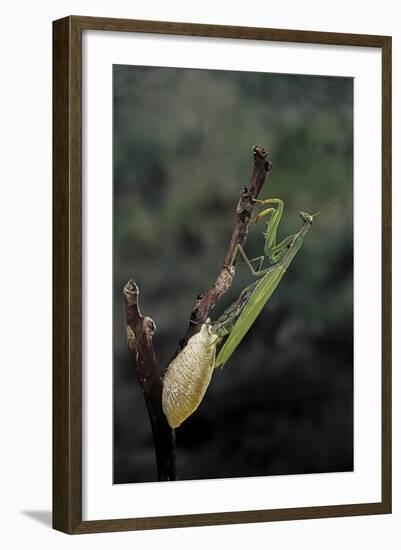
x=67 y=273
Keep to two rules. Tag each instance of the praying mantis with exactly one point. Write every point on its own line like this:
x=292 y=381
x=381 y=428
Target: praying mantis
x=280 y=257
x=188 y=375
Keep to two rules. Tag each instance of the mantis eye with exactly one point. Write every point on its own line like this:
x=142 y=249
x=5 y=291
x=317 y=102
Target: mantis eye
x=307 y=218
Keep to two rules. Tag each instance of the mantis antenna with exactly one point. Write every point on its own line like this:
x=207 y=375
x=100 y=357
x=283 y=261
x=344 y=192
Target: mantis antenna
x=325 y=207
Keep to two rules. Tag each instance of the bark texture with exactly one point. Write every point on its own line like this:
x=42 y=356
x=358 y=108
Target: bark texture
x=140 y=329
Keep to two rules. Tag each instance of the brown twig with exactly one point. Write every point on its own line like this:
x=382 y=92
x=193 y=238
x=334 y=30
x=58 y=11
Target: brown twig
x=205 y=303
x=140 y=331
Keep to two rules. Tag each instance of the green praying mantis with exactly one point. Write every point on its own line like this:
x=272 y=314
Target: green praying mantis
x=188 y=375
x=259 y=292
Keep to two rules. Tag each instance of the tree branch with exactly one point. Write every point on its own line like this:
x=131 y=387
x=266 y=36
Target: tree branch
x=140 y=331
x=206 y=302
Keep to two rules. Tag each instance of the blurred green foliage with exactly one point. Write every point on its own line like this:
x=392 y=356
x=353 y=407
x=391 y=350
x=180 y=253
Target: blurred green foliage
x=182 y=154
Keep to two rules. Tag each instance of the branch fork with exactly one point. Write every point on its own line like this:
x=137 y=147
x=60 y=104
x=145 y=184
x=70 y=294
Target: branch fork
x=140 y=329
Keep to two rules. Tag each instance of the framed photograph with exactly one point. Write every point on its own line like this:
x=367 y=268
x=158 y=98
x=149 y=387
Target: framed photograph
x=222 y=269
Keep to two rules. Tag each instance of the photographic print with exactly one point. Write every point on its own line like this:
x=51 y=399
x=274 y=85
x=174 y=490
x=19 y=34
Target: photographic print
x=232 y=274
x=221 y=219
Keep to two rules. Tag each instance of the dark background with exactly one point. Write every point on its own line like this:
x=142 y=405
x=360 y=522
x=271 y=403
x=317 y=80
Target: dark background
x=182 y=152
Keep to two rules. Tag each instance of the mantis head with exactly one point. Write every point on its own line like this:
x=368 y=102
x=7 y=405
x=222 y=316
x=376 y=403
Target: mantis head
x=307 y=218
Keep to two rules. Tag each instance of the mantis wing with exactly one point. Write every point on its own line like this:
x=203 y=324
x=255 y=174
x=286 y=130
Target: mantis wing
x=263 y=291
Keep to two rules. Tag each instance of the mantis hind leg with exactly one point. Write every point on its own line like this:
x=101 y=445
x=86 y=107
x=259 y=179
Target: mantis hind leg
x=259 y=259
x=256 y=273
x=226 y=322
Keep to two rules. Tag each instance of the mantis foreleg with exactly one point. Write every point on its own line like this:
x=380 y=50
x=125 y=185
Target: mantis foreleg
x=280 y=256
x=272 y=224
